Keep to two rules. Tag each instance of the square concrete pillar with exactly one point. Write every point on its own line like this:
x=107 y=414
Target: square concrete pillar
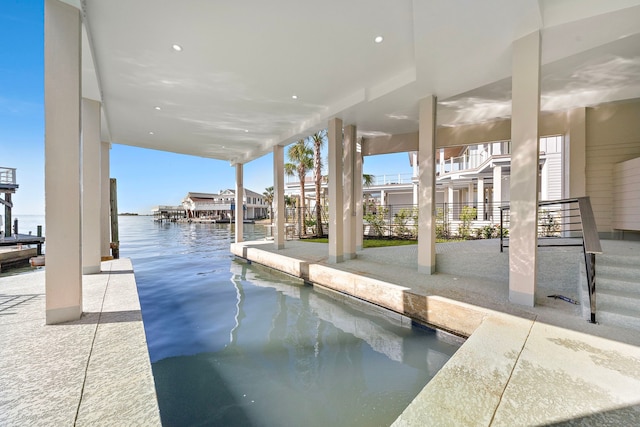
x=63 y=208
x=357 y=194
x=451 y=206
x=91 y=191
x=480 y=199
x=278 y=197
x=349 y=180
x=105 y=205
x=497 y=193
x=427 y=186
x=239 y=203
x=523 y=230
x=575 y=157
x=336 y=198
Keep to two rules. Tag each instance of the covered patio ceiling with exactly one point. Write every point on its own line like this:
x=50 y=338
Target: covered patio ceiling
x=229 y=92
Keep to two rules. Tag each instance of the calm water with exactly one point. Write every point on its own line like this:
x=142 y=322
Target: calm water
x=233 y=344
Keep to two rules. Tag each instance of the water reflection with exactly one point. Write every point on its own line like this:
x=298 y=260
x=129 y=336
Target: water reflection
x=237 y=344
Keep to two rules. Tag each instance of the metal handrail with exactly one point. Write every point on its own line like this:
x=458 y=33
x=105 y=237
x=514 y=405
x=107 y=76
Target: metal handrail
x=589 y=236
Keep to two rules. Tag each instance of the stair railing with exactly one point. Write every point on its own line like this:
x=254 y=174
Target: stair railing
x=566 y=222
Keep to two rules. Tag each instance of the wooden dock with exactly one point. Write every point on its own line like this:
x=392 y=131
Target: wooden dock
x=18 y=249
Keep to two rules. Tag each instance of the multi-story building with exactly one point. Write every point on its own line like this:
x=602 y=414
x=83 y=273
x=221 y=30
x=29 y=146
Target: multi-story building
x=477 y=176
x=222 y=205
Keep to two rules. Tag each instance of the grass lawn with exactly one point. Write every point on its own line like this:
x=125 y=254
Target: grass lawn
x=370 y=243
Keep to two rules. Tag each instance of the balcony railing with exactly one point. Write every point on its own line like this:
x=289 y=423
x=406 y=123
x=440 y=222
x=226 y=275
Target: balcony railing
x=472 y=161
x=399 y=178
x=7 y=176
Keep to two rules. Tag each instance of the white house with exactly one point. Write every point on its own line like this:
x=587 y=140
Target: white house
x=222 y=206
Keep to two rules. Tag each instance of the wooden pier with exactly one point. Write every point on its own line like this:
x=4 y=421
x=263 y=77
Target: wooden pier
x=15 y=249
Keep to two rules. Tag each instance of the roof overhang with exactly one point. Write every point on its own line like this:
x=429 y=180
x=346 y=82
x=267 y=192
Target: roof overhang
x=228 y=94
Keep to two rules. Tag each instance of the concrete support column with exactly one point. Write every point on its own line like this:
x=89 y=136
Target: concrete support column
x=451 y=207
x=480 y=199
x=348 y=210
x=63 y=209
x=239 y=203
x=427 y=186
x=497 y=193
x=278 y=197
x=336 y=240
x=575 y=163
x=575 y=158
x=357 y=194
x=415 y=194
x=105 y=206
x=383 y=197
x=90 y=186
x=441 y=161
x=523 y=239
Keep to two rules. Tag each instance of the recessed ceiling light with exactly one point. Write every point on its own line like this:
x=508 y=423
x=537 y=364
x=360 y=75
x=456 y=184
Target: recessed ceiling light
x=294 y=96
x=177 y=47
x=150 y=133
x=378 y=39
x=157 y=108
x=246 y=130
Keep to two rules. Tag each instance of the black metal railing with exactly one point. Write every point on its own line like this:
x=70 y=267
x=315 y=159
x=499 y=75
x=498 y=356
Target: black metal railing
x=566 y=222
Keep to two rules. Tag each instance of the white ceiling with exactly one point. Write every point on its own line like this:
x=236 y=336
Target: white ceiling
x=228 y=94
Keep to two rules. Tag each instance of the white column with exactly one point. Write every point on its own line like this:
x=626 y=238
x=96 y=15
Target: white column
x=451 y=206
x=470 y=198
x=383 y=196
x=336 y=240
x=239 y=203
x=441 y=161
x=357 y=194
x=480 y=199
x=574 y=153
x=427 y=186
x=348 y=210
x=91 y=194
x=415 y=194
x=105 y=205
x=497 y=193
x=62 y=62
x=523 y=241
x=278 y=197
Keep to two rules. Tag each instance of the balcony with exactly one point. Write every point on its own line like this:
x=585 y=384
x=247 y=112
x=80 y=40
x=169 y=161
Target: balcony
x=8 y=178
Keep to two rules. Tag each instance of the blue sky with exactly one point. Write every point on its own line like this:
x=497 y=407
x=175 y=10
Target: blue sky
x=146 y=178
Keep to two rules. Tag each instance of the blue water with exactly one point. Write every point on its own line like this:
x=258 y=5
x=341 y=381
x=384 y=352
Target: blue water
x=233 y=344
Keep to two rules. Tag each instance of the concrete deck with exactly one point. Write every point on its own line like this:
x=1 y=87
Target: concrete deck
x=94 y=371
x=520 y=365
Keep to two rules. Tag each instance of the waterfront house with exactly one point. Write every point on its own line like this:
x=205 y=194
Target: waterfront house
x=222 y=205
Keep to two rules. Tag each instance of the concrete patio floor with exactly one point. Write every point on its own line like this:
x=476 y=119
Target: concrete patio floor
x=520 y=365
x=90 y=372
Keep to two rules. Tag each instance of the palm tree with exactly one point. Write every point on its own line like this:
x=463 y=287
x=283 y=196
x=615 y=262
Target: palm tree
x=300 y=162
x=367 y=180
x=318 y=139
x=268 y=197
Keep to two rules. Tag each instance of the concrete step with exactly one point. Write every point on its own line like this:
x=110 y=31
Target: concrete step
x=612 y=270
x=629 y=319
x=617 y=290
x=604 y=282
x=611 y=300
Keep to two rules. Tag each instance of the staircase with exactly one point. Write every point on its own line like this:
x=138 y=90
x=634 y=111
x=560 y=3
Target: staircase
x=617 y=290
